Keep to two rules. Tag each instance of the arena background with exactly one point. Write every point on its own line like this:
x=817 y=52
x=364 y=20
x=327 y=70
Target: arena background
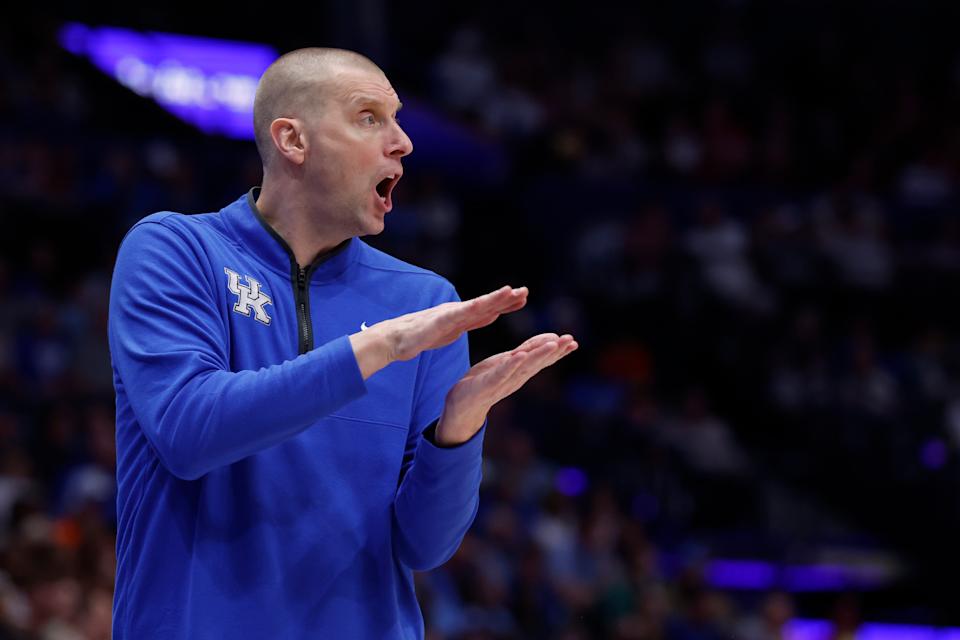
x=745 y=211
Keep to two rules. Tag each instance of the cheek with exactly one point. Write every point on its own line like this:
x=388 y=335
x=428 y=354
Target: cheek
x=332 y=172
x=346 y=168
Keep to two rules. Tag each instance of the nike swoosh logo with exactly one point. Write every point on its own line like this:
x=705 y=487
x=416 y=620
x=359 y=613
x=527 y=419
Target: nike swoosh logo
x=363 y=326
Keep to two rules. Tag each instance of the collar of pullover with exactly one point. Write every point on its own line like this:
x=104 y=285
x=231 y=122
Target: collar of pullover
x=256 y=235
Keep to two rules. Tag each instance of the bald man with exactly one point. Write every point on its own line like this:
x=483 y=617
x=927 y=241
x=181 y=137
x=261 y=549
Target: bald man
x=298 y=425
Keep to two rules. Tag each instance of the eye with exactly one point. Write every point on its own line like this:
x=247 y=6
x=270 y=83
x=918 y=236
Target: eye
x=368 y=118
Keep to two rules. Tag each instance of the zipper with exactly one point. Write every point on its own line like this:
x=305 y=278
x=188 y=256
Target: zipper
x=299 y=277
x=301 y=292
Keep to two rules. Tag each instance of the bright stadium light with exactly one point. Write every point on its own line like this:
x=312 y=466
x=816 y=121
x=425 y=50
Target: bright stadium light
x=206 y=82
x=800 y=629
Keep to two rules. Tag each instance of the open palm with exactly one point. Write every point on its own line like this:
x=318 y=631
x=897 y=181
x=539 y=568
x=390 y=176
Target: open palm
x=492 y=380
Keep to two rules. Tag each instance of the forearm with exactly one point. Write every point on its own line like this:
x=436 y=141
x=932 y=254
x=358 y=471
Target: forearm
x=215 y=418
x=459 y=424
x=372 y=349
x=437 y=502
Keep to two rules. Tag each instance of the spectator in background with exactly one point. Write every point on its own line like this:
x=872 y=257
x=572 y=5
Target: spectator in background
x=704 y=441
x=720 y=245
x=851 y=234
x=775 y=612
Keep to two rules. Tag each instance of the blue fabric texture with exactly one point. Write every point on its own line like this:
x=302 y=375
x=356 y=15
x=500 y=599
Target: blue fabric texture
x=264 y=492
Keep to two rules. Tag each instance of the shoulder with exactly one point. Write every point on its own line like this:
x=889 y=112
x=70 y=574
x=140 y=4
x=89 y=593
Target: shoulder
x=406 y=273
x=172 y=224
x=173 y=242
x=171 y=233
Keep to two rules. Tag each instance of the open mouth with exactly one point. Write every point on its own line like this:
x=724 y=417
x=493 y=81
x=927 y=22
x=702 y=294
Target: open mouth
x=384 y=189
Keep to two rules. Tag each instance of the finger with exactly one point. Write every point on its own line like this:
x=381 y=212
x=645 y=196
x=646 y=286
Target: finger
x=508 y=380
x=504 y=370
x=452 y=331
x=482 y=311
x=515 y=305
x=543 y=357
x=561 y=353
x=508 y=376
x=500 y=300
x=462 y=314
x=498 y=296
x=484 y=318
x=536 y=341
x=567 y=346
x=478 y=322
x=539 y=354
x=522 y=366
x=564 y=341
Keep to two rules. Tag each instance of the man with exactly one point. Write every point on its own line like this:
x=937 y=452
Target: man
x=297 y=427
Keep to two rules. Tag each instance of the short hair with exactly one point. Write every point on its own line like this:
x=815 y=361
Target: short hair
x=295 y=81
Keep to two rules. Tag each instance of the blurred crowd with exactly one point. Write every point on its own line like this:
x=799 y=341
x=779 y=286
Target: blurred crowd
x=746 y=215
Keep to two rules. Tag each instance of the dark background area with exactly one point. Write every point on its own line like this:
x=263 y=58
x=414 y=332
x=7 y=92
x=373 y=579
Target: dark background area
x=745 y=211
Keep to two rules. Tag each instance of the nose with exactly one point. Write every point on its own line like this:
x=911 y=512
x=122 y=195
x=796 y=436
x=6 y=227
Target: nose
x=400 y=144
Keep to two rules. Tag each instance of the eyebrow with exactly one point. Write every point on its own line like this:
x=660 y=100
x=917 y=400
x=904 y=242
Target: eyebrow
x=365 y=99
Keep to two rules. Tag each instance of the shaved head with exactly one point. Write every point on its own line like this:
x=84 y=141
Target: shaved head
x=295 y=84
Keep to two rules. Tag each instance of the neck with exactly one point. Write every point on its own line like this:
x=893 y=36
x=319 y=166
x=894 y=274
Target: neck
x=286 y=209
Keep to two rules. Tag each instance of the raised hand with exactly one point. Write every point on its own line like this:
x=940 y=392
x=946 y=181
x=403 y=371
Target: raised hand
x=403 y=337
x=439 y=326
x=492 y=380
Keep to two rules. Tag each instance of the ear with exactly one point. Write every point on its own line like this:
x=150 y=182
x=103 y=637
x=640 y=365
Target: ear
x=287 y=134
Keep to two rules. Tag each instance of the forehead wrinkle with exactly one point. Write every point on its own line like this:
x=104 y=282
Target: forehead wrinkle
x=360 y=98
x=359 y=87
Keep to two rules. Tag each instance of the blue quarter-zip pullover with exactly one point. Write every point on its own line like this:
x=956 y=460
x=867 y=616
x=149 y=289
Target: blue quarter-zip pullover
x=265 y=490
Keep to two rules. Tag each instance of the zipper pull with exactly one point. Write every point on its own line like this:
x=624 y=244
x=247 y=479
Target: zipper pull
x=301 y=278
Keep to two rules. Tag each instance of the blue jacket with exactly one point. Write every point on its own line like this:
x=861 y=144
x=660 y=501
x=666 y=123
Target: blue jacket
x=265 y=490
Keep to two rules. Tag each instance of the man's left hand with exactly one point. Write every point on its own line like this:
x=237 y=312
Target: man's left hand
x=492 y=380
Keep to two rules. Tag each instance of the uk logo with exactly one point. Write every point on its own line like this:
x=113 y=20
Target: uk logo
x=249 y=296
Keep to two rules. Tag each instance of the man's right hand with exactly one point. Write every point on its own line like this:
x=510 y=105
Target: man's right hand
x=404 y=337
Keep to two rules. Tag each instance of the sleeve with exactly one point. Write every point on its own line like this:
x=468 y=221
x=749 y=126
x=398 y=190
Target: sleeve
x=438 y=495
x=168 y=344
